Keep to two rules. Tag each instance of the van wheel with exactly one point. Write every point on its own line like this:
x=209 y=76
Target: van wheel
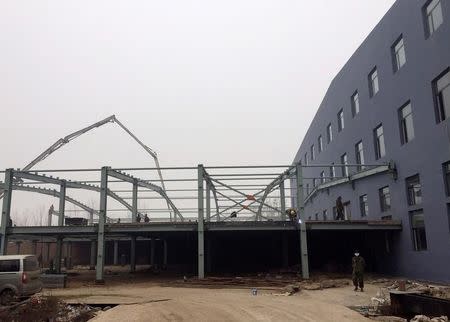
x=7 y=297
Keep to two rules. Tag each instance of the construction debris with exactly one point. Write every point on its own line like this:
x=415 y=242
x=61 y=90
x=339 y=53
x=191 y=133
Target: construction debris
x=389 y=319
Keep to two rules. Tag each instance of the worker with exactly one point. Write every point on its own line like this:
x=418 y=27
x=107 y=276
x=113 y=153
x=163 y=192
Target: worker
x=358 y=265
x=339 y=209
x=138 y=217
x=146 y=219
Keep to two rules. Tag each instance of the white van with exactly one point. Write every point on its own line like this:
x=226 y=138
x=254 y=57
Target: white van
x=20 y=276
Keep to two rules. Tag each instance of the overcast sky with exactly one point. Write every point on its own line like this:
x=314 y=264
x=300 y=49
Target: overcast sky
x=216 y=82
x=201 y=81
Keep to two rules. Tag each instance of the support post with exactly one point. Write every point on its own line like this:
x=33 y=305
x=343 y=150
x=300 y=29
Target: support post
x=152 y=252
x=165 y=253
x=6 y=210
x=134 y=201
x=208 y=202
x=101 y=227
x=93 y=255
x=133 y=255
x=91 y=217
x=282 y=201
x=61 y=211
x=301 y=215
x=200 y=228
x=116 y=252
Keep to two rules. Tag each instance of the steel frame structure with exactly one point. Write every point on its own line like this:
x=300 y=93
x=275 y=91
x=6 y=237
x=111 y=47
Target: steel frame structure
x=219 y=191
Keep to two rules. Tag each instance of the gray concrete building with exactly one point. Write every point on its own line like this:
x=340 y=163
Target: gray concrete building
x=390 y=103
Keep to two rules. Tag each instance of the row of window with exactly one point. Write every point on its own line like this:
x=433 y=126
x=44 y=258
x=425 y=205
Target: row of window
x=433 y=17
x=414 y=199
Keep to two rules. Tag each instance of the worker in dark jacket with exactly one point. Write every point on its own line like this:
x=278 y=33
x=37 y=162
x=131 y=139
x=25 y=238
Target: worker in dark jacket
x=339 y=209
x=358 y=265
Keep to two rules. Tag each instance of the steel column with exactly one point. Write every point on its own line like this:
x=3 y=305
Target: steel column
x=58 y=254
x=133 y=254
x=101 y=227
x=200 y=229
x=61 y=211
x=116 y=252
x=93 y=255
x=91 y=217
x=6 y=210
x=134 y=201
x=208 y=202
x=302 y=224
x=282 y=201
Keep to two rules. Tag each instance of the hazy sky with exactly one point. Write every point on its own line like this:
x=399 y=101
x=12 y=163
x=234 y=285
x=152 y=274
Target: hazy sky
x=201 y=81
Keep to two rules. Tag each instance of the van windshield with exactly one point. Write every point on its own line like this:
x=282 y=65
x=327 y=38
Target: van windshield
x=9 y=265
x=30 y=264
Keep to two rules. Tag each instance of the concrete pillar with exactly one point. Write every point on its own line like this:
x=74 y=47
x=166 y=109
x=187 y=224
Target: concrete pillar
x=133 y=255
x=285 y=250
x=152 y=251
x=200 y=227
x=116 y=252
x=301 y=215
x=6 y=210
x=93 y=255
x=58 y=255
x=165 y=253
x=101 y=227
x=282 y=201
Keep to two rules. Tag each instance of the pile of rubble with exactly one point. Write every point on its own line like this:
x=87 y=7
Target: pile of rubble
x=417 y=318
x=46 y=308
x=442 y=292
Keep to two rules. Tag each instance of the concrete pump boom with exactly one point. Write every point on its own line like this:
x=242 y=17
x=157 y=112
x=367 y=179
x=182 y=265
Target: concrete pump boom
x=111 y=119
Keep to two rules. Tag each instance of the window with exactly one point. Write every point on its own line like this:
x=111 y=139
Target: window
x=322 y=177
x=380 y=149
x=9 y=265
x=374 y=86
x=325 y=214
x=340 y=120
x=385 y=199
x=306 y=158
x=329 y=133
x=446 y=168
x=406 y=123
x=414 y=190
x=398 y=54
x=418 y=230
x=359 y=151
x=320 y=144
x=355 y=104
x=347 y=211
x=441 y=87
x=344 y=162
x=312 y=153
x=433 y=16
x=332 y=172
x=363 y=205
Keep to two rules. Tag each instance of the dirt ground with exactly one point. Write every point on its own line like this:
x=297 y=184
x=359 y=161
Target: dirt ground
x=144 y=298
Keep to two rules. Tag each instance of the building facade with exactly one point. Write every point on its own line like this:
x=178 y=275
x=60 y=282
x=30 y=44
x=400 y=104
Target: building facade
x=390 y=103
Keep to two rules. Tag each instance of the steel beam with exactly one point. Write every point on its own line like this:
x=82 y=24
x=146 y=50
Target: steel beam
x=208 y=202
x=101 y=227
x=301 y=215
x=200 y=227
x=134 y=212
x=6 y=210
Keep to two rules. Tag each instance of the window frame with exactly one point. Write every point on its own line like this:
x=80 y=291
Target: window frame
x=363 y=201
x=320 y=144
x=411 y=184
x=377 y=142
x=313 y=154
x=359 y=155
x=344 y=167
x=446 y=176
x=355 y=106
x=395 y=57
x=414 y=231
x=431 y=29
x=384 y=207
x=405 y=136
x=341 y=121
x=439 y=109
x=325 y=214
x=371 y=79
x=329 y=133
